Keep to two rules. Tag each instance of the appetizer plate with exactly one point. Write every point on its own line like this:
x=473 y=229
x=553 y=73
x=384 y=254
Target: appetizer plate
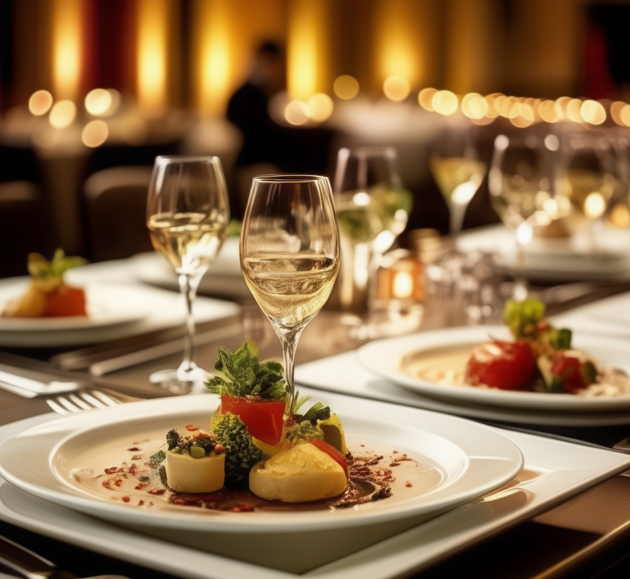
x=565 y=259
x=471 y=460
x=443 y=354
x=106 y=305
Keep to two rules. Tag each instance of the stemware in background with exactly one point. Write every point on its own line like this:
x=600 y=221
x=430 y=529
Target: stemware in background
x=458 y=173
x=187 y=216
x=522 y=186
x=372 y=208
x=591 y=180
x=290 y=254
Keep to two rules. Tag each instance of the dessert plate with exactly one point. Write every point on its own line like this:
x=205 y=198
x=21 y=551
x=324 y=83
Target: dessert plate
x=442 y=355
x=65 y=455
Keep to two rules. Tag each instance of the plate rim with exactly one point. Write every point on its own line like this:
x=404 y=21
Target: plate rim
x=374 y=358
x=460 y=491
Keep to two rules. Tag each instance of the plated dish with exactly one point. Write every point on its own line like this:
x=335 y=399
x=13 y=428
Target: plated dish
x=107 y=305
x=472 y=460
x=433 y=364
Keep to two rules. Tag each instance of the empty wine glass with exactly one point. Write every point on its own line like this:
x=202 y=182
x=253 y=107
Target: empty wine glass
x=372 y=208
x=187 y=217
x=290 y=255
x=458 y=172
x=522 y=191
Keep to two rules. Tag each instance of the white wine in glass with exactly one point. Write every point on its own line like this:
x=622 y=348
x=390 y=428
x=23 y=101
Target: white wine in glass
x=187 y=217
x=290 y=254
x=458 y=173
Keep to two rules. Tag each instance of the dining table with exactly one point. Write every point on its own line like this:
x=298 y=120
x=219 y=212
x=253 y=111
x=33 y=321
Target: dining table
x=565 y=514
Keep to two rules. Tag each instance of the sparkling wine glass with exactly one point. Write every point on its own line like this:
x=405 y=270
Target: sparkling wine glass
x=458 y=173
x=187 y=216
x=372 y=208
x=522 y=191
x=290 y=254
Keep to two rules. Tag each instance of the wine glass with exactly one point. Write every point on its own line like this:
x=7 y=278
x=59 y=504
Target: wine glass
x=591 y=179
x=289 y=253
x=187 y=216
x=458 y=173
x=372 y=208
x=522 y=188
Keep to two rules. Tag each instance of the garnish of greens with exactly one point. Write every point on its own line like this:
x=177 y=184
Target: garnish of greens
x=241 y=374
x=49 y=274
x=525 y=319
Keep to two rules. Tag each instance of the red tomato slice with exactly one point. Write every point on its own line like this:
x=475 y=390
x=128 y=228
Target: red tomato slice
x=505 y=365
x=66 y=301
x=333 y=453
x=264 y=418
x=569 y=369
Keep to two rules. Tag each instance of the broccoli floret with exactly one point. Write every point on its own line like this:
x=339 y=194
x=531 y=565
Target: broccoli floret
x=304 y=431
x=240 y=453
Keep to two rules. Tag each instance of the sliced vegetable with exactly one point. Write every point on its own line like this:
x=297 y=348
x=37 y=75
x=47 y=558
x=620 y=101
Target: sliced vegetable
x=500 y=364
x=333 y=453
x=264 y=418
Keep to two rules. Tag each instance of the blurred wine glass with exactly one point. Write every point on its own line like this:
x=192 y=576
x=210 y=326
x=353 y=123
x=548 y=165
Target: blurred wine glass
x=523 y=186
x=591 y=179
x=458 y=173
x=372 y=209
x=187 y=218
x=290 y=255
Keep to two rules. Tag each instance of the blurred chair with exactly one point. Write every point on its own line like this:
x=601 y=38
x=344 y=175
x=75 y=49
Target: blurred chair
x=24 y=226
x=115 y=202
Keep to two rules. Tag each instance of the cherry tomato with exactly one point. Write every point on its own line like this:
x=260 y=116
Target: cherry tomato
x=505 y=365
x=66 y=301
x=570 y=369
x=333 y=453
x=264 y=418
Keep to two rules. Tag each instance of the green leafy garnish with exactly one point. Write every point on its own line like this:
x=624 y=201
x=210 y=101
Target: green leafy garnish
x=522 y=317
x=560 y=339
x=40 y=268
x=241 y=374
x=155 y=460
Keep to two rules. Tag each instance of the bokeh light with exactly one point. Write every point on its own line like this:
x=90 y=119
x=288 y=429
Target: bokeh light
x=346 y=87
x=425 y=96
x=40 y=102
x=396 y=88
x=98 y=102
x=296 y=113
x=593 y=112
x=445 y=102
x=320 y=107
x=62 y=114
x=95 y=133
x=474 y=106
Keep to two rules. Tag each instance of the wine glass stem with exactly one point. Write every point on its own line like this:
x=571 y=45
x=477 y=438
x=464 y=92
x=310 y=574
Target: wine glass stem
x=457 y=213
x=520 y=283
x=289 y=341
x=188 y=285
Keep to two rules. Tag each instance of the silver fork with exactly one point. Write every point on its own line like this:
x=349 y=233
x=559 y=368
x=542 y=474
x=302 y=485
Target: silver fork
x=87 y=400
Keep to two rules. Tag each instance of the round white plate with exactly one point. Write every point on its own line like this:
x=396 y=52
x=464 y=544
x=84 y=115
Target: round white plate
x=472 y=458
x=554 y=259
x=449 y=350
x=106 y=304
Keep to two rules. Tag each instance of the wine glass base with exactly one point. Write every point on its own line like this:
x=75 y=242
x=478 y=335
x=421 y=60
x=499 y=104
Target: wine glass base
x=390 y=320
x=180 y=381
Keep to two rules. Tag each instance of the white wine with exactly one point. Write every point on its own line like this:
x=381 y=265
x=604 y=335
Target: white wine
x=364 y=215
x=187 y=241
x=457 y=178
x=590 y=192
x=290 y=289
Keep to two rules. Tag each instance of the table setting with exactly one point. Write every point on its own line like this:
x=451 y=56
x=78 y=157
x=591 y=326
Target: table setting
x=473 y=463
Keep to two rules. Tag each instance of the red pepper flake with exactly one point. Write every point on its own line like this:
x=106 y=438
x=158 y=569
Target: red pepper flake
x=157 y=491
x=179 y=502
x=118 y=482
x=126 y=499
x=133 y=469
x=107 y=484
x=408 y=484
x=192 y=427
x=394 y=464
x=140 y=503
x=243 y=508
x=219 y=448
x=141 y=486
x=137 y=457
x=111 y=470
x=134 y=449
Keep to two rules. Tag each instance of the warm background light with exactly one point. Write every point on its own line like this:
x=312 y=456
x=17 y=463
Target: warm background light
x=307 y=39
x=98 y=101
x=474 y=106
x=445 y=102
x=320 y=107
x=62 y=114
x=152 y=54
x=40 y=102
x=593 y=112
x=396 y=88
x=95 y=134
x=66 y=47
x=425 y=97
x=296 y=113
x=346 y=87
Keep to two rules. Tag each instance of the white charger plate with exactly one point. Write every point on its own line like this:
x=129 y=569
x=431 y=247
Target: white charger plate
x=555 y=471
x=106 y=305
x=473 y=459
x=385 y=358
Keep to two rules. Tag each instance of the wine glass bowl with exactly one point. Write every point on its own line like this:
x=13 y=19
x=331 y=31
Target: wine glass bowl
x=458 y=172
x=289 y=252
x=187 y=217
